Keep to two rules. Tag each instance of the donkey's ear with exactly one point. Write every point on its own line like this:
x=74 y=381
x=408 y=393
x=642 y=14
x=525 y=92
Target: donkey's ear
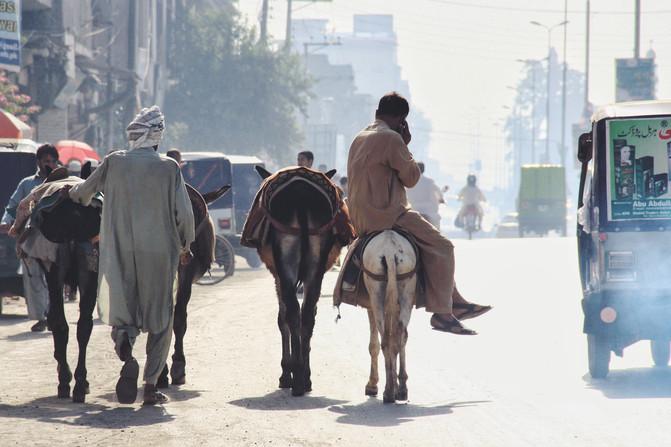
x=262 y=172
x=330 y=173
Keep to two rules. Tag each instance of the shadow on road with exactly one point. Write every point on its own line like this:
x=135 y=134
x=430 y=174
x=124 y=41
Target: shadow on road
x=634 y=383
x=283 y=400
x=28 y=335
x=373 y=413
x=63 y=411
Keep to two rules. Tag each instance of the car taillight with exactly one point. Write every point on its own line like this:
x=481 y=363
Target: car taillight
x=225 y=224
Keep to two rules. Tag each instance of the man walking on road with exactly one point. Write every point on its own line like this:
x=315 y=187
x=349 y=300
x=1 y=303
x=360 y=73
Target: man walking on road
x=147 y=229
x=425 y=198
x=379 y=169
x=34 y=283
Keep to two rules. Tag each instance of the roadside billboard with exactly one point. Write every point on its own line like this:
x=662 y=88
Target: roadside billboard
x=10 y=35
x=639 y=160
x=634 y=79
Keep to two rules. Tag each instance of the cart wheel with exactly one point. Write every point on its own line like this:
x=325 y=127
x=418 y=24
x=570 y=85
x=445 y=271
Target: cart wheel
x=660 y=351
x=253 y=260
x=223 y=266
x=598 y=356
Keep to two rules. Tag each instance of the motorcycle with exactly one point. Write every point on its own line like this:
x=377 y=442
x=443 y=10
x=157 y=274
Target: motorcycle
x=469 y=220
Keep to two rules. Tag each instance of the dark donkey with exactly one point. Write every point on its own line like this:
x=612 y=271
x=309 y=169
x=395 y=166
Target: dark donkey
x=62 y=236
x=78 y=261
x=203 y=255
x=298 y=224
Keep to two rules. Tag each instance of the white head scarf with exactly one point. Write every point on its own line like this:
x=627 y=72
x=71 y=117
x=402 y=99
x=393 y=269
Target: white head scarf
x=146 y=129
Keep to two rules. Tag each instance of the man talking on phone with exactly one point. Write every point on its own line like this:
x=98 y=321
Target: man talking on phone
x=379 y=169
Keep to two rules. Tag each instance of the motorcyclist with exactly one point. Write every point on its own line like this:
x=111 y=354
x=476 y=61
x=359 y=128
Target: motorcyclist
x=470 y=196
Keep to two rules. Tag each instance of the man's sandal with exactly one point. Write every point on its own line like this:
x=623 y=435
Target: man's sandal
x=153 y=396
x=470 y=310
x=450 y=324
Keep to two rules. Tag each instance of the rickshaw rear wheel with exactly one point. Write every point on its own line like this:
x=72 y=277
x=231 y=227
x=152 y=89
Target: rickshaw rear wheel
x=661 y=351
x=598 y=356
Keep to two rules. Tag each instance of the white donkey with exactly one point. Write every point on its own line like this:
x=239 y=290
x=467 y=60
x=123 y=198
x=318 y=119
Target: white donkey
x=390 y=266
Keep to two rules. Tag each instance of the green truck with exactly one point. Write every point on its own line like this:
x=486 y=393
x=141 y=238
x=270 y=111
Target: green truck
x=541 y=203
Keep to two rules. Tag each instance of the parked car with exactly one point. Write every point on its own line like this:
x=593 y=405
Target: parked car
x=508 y=227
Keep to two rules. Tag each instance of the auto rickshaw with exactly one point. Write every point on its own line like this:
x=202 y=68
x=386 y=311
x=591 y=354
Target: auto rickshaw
x=246 y=183
x=624 y=231
x=14 y=165
x=209 y=171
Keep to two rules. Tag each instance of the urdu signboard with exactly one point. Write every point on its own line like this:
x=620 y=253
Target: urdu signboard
x=639 y=160
x=10 y=35
x=634 y=79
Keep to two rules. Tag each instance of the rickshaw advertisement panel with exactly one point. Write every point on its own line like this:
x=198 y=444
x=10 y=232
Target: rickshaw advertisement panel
x=639 y=160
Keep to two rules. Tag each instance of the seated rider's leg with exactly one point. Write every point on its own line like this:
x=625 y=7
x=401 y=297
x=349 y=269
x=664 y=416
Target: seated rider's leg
x=351 y=271
x=437 y=258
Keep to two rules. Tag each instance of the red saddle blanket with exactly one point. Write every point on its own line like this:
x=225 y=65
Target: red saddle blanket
x=257 y=226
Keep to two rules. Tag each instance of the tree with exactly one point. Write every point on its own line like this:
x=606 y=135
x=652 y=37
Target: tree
x=531 y=100
x=13 y=101
x=230 y=91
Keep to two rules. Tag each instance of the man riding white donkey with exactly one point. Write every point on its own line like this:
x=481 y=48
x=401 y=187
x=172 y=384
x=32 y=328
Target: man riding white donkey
x=379 y=168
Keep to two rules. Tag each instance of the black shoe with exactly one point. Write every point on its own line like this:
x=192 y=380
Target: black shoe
x=40 y=326
x=126 y=386
x=449 y=323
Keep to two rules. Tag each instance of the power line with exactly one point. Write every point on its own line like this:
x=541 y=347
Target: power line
x=540 y=10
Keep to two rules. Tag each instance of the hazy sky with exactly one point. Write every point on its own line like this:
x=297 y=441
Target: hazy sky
x=459 y=56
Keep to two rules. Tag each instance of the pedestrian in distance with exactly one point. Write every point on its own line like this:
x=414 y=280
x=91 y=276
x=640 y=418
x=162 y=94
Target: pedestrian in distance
x=147 y=229
x=305 y=159
x=425 y=198
x=34 y=281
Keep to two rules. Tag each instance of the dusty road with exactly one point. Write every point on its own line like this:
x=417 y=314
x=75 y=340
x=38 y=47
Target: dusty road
x=521 y=382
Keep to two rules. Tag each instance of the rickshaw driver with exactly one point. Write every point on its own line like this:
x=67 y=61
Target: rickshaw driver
x=379 y=168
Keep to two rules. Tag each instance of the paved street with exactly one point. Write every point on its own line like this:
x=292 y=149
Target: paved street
x=521 y=382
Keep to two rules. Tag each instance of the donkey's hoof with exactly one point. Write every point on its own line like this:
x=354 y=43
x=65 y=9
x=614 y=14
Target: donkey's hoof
x=388 y=398
x=162 y=382
x=402 y=395
x=286 y=382
x=79 y=392
x=371 y=390
x=297 y=391
x=63 y=391
x=178 y=372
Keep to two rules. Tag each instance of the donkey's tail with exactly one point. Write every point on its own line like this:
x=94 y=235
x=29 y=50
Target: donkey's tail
x=392 y=310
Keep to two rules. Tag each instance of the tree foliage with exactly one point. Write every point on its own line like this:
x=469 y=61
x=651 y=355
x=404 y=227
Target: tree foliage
x=13 y=101
x=230 y=91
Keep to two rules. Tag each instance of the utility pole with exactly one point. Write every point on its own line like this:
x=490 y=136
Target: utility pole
x=562 y=148
x=287 y=38
x=264 y=21
x=533 y=113
x=586 y=102
x=637 y=30
x=547 y=105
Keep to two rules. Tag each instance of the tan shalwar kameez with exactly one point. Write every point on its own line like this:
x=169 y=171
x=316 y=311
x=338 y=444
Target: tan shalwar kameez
x=146 y=221
x=379 y=168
